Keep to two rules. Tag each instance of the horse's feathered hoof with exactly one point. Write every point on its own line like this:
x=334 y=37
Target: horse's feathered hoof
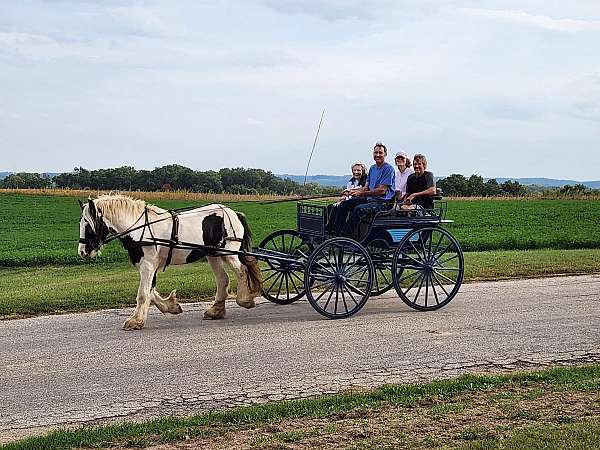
x=213 y=313
x=133 y=324
x=246 y=303
x=171 y=300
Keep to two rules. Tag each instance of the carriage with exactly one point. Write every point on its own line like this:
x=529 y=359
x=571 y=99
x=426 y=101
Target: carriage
x=409 y=251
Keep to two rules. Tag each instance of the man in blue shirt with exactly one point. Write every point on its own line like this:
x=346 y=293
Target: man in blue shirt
x=373 y=197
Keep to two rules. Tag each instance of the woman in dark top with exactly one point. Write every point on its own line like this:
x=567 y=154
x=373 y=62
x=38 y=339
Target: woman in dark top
x=420 y=186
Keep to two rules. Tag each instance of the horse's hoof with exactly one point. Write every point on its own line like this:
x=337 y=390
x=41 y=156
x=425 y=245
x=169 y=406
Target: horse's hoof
x=178 y=309
x=212 y=314
x=246 y=303
x=133 y=324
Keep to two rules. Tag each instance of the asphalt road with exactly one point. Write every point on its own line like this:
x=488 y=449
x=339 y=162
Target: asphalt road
x=74 y=369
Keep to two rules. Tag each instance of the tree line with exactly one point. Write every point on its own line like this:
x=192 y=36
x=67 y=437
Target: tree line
x=243 y=181
x=172 y=177
x=457 y=185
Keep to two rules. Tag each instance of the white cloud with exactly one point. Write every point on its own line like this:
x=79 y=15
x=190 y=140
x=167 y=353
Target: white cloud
x=536 y=20
x=330 y=10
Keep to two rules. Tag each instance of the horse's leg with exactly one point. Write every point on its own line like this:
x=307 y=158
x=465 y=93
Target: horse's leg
x=144 y=296
x=217 y=310
x=244 y=297
x=165 y=305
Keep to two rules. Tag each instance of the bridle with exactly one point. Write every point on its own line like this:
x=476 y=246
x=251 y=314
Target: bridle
x=103 y=234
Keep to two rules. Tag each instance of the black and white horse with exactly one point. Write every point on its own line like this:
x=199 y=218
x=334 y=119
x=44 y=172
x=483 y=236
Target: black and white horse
x=140 y=227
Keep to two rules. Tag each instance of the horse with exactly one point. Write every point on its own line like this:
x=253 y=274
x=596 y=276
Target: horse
x=155 y=238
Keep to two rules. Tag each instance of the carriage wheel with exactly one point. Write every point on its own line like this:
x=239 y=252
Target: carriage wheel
x=283 y=282
x=428 y=268
x=381 y=255
x=339 y=277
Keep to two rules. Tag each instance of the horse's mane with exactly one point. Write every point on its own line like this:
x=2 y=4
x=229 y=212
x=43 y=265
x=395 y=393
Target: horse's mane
x=113 y=204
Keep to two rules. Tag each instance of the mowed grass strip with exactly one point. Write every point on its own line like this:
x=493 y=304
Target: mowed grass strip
x=43 y=230
x=557 y=407
x=49 y=290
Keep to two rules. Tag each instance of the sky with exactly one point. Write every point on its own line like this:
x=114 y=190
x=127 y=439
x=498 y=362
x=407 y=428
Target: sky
x=497 y=88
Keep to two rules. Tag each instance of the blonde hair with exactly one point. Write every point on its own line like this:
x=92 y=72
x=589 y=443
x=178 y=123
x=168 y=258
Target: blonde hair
x=362 y=166
x=421 y=158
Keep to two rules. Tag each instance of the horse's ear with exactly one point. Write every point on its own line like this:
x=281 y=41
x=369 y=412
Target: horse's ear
x=92 y=207
x=80 y=203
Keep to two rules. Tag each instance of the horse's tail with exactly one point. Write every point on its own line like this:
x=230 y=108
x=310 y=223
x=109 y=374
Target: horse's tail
x=254 y=274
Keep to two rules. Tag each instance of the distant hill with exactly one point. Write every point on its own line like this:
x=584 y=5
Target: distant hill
x=341 y=180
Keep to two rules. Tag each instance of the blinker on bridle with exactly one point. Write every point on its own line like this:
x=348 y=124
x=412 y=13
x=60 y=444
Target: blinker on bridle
x=99 y=228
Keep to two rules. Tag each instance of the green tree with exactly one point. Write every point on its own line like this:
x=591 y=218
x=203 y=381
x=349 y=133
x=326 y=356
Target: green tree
x=513 y=188
x=454 y=185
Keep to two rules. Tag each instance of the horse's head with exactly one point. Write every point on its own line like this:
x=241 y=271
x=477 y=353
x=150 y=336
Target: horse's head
x=92 y=230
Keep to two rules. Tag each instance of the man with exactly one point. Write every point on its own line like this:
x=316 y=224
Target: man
x=420 y=186
x=373 y=197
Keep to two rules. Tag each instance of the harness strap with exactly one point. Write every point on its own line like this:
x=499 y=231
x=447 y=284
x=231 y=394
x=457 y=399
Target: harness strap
x=226 y=238
x=174 y=237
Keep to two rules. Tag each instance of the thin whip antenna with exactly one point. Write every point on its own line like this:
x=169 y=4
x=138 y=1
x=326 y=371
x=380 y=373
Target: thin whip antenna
x=313 y=147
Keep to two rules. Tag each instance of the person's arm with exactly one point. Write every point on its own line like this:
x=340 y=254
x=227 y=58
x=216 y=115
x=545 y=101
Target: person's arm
x=379 y=191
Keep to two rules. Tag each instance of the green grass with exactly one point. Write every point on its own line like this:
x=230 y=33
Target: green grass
x=579 y=436
x=43 y=230
x=333 y=406
x=46 y=290
x=40 y=230
x=50 y=290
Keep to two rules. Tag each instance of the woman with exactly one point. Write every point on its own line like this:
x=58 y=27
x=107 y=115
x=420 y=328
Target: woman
x=420 y=186
x=358 y=180
x=403 y=170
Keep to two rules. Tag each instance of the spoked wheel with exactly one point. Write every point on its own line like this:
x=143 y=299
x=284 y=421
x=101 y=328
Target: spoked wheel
x=339 y=277
x=381 y=255
x=283 y=281
x=428 y=268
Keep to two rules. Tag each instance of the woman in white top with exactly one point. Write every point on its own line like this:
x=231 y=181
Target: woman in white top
x=403 y=170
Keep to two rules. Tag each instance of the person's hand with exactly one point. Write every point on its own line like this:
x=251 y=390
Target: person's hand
x=408 y=200
x=357 y=193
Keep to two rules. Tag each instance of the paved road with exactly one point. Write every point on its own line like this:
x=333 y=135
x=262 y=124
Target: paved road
x=74 y=369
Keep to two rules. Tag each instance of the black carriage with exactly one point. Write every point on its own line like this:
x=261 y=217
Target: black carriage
x=409 y=251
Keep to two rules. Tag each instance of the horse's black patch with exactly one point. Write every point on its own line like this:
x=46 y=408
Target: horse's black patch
x=194 y=256
x=213 y=230
x=154 y=280
x=89 y=236
x=136 y=252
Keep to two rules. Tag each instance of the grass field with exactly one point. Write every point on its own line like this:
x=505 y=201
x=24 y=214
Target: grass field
x=42 y=230
x=32 y=291
x=550 y=409
x=39 y=230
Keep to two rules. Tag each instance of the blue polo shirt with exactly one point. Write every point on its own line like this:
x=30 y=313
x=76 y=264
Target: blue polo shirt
x=382 y=175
